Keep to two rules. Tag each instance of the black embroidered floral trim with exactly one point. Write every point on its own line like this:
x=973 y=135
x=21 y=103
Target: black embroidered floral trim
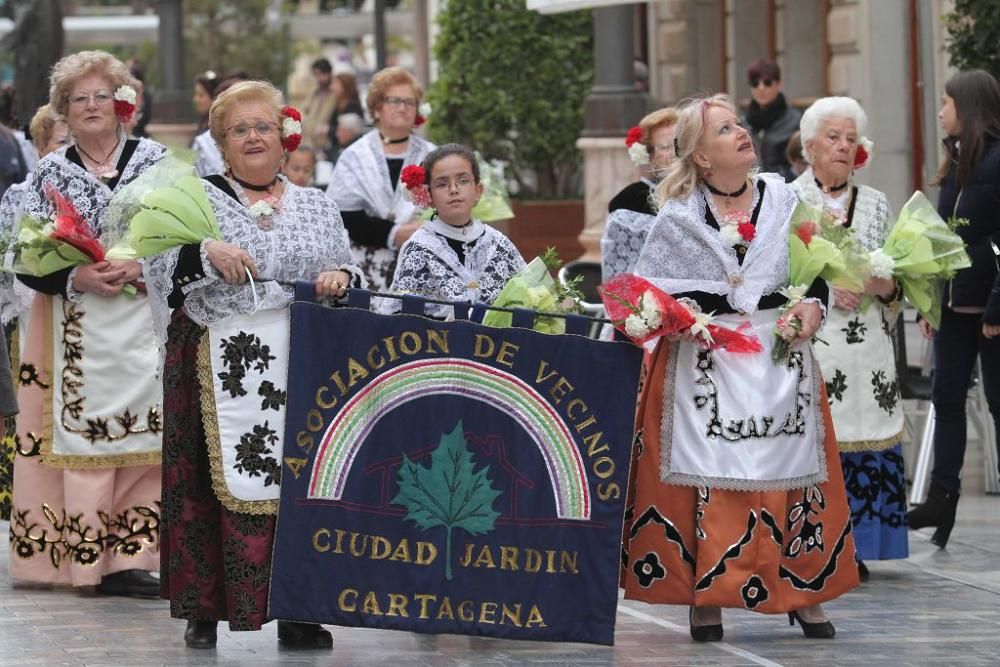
x=754 y=592
x=855 y=331
x=836 y=387
x=886 y=393
x=28 y=375
x=648 y=569
x=252 y=454
x=808 y=536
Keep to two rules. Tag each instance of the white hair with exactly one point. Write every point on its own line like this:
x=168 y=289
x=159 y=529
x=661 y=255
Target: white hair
x=826 y=109
x=351 y=122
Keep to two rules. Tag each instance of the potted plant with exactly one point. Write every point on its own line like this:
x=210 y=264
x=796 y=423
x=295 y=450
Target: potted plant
x=511 y=84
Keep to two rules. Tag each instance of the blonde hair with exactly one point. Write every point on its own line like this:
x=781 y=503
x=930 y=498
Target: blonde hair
x=653 y=121
x=244 y=92
x=384 y=80
x=682 y=174
x=42 y=125
x=75 y=66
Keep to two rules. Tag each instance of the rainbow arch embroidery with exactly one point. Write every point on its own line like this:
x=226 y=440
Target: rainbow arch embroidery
x=470 y=379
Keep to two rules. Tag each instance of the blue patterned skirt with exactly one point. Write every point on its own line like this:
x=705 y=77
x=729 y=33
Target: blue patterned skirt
x=876 y=493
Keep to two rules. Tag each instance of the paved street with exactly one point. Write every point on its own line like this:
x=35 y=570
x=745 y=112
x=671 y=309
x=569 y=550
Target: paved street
x=937 y=608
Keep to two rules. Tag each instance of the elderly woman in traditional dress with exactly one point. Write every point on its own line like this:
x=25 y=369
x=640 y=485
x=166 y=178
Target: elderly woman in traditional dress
x=87 y=476
x=226 y=348
x=632 y=211
x=365 y=182
x=737 y=499
x=858 y=363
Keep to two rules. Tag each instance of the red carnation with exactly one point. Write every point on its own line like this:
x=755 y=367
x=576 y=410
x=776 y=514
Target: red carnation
x=292 y=113
x=413 y=176
x=747 y=230
x=806 y=231
x=291 y=142
x=419 y=120
x=860 y=158
x=634 y=135
x=124 y=110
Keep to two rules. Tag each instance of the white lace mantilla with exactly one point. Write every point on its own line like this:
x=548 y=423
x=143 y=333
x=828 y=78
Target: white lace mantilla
x=306 y=238
x=858 y=363
x=360 y=182
x=15 y=297
x=624 y=235
x=428 y=266
x=209 y=159
x=684 y=254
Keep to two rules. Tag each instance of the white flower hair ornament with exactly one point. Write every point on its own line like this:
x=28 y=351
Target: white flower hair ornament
x=423 y=113
x=637 y=151
x=291 y=128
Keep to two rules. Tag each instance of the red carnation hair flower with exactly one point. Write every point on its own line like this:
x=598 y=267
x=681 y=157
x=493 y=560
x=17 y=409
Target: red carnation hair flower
x=292 y=113
x=124 y=110
x=634 y=135
x=860 y=158
x=419 y=120
x=413 y=176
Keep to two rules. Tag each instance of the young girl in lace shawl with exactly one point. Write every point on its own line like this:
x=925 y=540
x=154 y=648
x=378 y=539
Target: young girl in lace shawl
x=454 y=256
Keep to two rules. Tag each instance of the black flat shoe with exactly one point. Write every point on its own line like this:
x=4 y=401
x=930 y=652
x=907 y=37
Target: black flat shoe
x=822 y=630
x=704 y=633
x=130 y=583
x=200 y=634
x=293 y=634
x=862 y=571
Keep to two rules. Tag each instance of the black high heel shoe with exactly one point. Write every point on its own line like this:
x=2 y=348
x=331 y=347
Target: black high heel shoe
x=293 y=634
x=938 y=511
x=200 y=634
x=822 y=630
x=704 y=633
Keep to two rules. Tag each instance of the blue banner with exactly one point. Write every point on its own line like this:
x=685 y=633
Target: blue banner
x=447 y=477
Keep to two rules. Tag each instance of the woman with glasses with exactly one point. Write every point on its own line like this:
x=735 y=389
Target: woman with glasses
x=770 y=119
x=87 y=476
x=737 y=498
x=365 y=182
x=454 y=256
x=632 y=211
x=220 y=498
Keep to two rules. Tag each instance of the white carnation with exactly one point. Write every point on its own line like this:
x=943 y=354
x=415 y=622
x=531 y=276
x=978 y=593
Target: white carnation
x=882 y=265
x=261 y=209
x=125 y=94
x=638 y=153
x=731 y=234
x=648 y=310
x=795 y=293
x=290 y=126
x=635 y=326
x=700 y=326
x=424 y=109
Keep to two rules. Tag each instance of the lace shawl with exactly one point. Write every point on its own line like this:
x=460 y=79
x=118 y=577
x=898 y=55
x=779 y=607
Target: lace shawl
x=624 y=235
x=15 y=297
x=684 y=254
x=360 y=179
x=306 y=238
x=88 y=194
x=428 y=266
x=208 y=157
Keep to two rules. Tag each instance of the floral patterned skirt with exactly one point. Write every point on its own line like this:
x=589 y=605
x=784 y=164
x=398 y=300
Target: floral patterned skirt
x=876 y=492
x=767 y=551
x=215 y=564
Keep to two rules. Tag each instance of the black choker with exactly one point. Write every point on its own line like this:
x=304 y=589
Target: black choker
x=388 y=142
x=720 y=193
x=251 y=186
x=835 y=188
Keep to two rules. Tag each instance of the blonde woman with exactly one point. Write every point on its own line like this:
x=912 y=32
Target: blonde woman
x=737 y=498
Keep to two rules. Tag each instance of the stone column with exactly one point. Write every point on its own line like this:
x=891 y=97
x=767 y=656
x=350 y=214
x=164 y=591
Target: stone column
x=379 y=13
x=172 y=102
x=612 y=107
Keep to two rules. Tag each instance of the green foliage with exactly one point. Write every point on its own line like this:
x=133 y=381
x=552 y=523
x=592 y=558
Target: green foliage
x=449 y=493
x=511 y=84
x=226 y=35
x=974 y=35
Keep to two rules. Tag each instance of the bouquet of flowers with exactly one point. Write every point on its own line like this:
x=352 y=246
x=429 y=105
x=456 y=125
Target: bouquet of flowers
x=161 y=217
x=46 y=246
x=921 y=249
x=495 y=203
x=534 y=288
x=810 y=256
x=643 y=312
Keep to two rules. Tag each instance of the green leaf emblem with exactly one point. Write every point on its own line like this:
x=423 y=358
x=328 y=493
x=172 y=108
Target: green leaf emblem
x=449 y=493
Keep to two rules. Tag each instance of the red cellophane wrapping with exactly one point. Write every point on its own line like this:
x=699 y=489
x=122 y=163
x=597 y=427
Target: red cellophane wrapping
x=71 y=228
x=621 y=296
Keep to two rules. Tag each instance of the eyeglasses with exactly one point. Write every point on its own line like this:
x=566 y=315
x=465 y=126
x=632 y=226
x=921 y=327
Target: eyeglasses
x=767 y=82
x=263 y=129
x=101 y=98
x=446 y=183
x=401 y=101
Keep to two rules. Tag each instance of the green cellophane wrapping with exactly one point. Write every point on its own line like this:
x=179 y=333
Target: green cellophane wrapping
x=533 y=288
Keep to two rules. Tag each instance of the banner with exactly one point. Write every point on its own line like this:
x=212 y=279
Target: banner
x=447 y=477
